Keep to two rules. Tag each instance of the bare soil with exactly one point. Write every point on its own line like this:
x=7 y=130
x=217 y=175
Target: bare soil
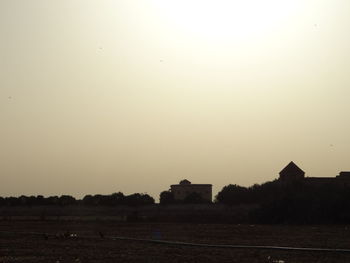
x=90 y=246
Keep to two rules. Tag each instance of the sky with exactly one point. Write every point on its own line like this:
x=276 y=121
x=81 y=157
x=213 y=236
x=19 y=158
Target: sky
x=102 y=96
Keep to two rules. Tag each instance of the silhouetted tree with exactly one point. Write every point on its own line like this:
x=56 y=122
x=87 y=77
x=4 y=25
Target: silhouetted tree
x=166 y=198
x=117 y=198
x=232 y=195
x=40 y=200
x=88 y=200
x=52 y=200
x=66 y=200
x=138 y=199
x=295 y=202
x=2 y=201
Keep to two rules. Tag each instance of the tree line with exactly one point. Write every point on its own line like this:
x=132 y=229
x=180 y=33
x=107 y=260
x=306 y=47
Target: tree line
x=277 y=202
x=114 y=199
x=271 y=202
x=295 y=202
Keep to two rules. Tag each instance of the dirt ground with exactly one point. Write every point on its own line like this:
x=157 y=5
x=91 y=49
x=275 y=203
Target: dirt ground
x=90 y=242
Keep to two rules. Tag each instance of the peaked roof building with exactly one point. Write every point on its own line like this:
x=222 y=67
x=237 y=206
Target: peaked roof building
x=291 y=171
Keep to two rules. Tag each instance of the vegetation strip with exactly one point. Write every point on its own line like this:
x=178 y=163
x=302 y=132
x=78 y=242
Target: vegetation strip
x=177 y=243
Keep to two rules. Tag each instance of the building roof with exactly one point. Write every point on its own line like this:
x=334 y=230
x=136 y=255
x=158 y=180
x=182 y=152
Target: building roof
x=189 y=185
x=291 y=168
x=344 y=174
x=185 y=181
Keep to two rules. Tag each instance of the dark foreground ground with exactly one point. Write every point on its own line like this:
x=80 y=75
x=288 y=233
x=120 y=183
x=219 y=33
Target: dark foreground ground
x=89 y=246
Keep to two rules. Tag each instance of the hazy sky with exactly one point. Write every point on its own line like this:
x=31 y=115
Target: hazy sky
x=102 y=96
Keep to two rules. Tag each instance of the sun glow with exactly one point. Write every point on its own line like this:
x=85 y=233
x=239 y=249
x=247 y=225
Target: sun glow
x=227 y=19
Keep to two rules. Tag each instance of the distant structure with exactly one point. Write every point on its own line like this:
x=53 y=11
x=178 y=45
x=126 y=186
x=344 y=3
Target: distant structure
x=185 y=188
x=292 y=173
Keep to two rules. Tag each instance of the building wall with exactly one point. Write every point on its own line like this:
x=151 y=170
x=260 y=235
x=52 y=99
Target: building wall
x=321 y=181
x=291 y=177
x=181 y=191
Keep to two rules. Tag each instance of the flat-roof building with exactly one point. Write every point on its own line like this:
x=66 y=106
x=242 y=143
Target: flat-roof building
x=185 y=188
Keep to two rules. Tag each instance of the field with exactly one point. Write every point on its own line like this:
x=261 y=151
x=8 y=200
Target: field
x=90 y=242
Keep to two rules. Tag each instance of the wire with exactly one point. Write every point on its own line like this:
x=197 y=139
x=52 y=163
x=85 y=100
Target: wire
x=309 y=249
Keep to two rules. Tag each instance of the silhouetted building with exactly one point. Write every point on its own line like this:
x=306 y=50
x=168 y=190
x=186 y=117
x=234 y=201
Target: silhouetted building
x=185 y=188
x=292 y=173
x=344 y=175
